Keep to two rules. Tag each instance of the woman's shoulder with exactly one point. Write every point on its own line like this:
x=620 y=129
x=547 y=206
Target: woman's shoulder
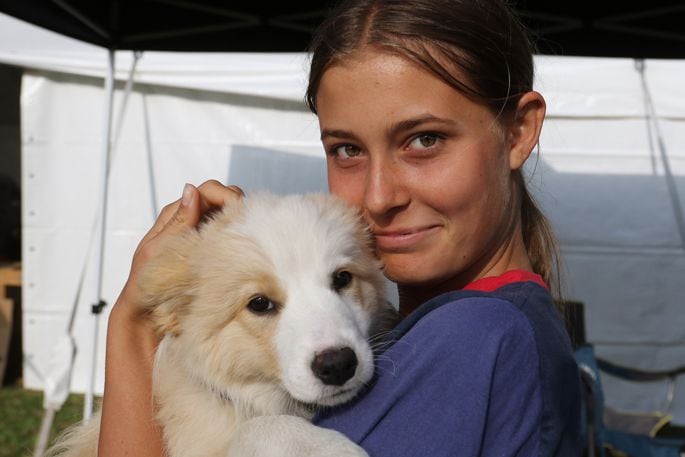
x=473 y=319
x=518 y=320
x=476 y=315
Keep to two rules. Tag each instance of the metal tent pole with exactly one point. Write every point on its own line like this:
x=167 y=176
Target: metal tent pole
x=652 y=119
x=96 y=309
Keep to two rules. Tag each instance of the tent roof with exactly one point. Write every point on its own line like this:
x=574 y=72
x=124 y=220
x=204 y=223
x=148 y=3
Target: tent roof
x=177 y=25
x=650 y=29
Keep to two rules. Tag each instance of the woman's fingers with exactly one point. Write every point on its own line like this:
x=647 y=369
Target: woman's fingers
x=214 y=195
x=194 y=204
x=197 y=202
x=187 y=214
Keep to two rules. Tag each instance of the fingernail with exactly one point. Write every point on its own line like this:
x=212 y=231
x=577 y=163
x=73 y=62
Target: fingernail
x=187 y=196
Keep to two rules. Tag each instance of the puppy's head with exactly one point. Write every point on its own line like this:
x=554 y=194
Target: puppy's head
x=280 y=290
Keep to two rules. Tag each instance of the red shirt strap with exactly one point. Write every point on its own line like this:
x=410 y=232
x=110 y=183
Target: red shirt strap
x=492 y=283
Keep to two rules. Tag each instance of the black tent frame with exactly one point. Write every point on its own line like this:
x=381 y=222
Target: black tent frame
x=604 y=29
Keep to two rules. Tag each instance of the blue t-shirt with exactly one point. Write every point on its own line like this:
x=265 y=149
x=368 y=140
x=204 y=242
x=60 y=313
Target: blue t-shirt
x=471 y=373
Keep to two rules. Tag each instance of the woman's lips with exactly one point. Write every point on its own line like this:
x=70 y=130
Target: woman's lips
x=402 y=239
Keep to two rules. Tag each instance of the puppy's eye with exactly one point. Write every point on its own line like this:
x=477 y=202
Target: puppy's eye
x=261 y=305
x=341 y=279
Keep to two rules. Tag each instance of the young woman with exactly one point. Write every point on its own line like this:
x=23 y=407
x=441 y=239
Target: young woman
x=427 y=115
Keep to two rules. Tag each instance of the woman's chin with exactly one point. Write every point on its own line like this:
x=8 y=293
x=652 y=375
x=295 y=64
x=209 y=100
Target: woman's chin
x=413 y=276
x=412 y=273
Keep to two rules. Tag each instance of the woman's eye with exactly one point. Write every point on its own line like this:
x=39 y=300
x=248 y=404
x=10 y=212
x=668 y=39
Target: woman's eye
x=425 y=140
x=261 y=305
x=346 y=151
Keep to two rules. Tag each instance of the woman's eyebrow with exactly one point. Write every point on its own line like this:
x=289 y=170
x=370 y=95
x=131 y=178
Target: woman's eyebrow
x=394 y=129
x=412 y=123
x=335 y=133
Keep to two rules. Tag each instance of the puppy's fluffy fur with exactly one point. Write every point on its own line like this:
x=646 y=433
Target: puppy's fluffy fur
x=245 y=306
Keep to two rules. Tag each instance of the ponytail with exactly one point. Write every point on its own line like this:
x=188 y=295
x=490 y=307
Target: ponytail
x=541 y=244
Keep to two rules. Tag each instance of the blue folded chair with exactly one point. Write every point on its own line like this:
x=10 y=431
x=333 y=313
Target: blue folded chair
x=638 y=435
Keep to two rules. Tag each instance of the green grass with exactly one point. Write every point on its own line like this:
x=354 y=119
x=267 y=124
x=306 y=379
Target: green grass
x=21 y=413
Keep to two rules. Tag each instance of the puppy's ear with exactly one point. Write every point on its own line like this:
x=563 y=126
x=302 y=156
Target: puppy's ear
x=166 y=283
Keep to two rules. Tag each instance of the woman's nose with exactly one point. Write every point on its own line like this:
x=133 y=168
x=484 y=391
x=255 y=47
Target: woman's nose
x=385 y=190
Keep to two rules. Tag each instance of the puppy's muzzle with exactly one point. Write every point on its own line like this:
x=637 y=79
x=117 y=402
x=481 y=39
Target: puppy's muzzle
x=335 y=366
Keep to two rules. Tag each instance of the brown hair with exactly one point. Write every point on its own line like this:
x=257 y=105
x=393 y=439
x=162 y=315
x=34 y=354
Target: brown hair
x=480 y=39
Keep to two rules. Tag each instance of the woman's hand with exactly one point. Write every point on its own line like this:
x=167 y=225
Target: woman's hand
x=127 y=425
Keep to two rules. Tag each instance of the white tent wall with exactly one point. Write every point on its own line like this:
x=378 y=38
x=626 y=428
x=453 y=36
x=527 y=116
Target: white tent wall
x=601 y=180
x=599 y=177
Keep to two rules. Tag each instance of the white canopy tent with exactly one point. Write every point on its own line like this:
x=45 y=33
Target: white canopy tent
x=239 y=118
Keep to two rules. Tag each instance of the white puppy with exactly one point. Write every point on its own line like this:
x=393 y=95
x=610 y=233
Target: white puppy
x=266 y=312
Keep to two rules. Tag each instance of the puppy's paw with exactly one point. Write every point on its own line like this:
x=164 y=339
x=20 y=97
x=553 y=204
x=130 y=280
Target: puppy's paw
x=284 y=436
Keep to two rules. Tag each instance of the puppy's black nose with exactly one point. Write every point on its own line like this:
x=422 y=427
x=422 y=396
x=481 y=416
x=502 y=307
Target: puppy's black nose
x=335 y=366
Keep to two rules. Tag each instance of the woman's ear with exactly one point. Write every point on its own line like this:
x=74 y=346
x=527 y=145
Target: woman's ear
x=524 y=130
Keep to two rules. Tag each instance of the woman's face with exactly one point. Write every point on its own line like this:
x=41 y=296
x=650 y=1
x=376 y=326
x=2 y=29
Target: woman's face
x=428 y=168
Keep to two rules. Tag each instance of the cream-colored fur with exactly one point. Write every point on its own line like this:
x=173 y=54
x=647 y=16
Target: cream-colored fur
x=231 y=374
